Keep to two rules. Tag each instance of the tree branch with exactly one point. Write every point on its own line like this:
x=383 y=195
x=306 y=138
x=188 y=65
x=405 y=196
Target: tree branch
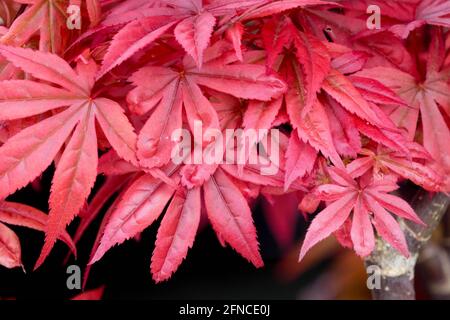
x=397 y=272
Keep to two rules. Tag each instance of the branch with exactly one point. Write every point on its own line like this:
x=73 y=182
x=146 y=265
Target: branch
x=397 y=272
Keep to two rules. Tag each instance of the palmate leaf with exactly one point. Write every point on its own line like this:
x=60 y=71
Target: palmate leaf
x=33 y=149
x=194 y=24
x=346 y=195
x=415 y=167
x=424 y=98
x=348 y=103
x=168 y=90
x=142 y=203
x=331 y=125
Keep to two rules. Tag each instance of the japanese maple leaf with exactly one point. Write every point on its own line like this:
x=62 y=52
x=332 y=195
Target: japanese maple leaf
x=224 y=197
x=166 y=90
x=368 y=201
x=27 y=154
x=193 y=23
x=347 y=129
x=425 y=96
x=24 y=216
x=226 y=207
x=308 y=71
x=415 y=167
x=144 y=201
x=49 y=17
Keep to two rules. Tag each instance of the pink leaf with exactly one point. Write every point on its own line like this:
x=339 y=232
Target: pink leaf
x=176 y=233
x=300 y=159
x=139 y=207
x=350 y=62
x=261 y=115
x=388 y=228
x=198 y=108
x=132 y=38
x=10 y=251
x=342 y=90
x=328 y=221
x=276 y=34
x=362 y=232
x=374 y=91
x=315 y=129
x=74 y=178
x=117 y=128
x=44 y=66
x=90 y=295
x=245 y=81
x=155 y=139
x=94 y=11
x=396 y=205
x=435 y=131
x=234 y=34
x=30 y=152
x=24 y=98
x=277 y=6
x=194 y=34
x=314 y=58
x=231 y=217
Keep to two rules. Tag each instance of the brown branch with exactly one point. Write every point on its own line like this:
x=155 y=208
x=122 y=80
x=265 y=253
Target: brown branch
x=396 y=271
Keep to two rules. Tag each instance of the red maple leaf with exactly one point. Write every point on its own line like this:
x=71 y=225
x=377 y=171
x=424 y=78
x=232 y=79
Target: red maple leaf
x=31 y=151
x=369 y=202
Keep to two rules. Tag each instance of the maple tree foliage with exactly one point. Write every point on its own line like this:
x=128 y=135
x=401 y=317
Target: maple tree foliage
x=359 y=112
